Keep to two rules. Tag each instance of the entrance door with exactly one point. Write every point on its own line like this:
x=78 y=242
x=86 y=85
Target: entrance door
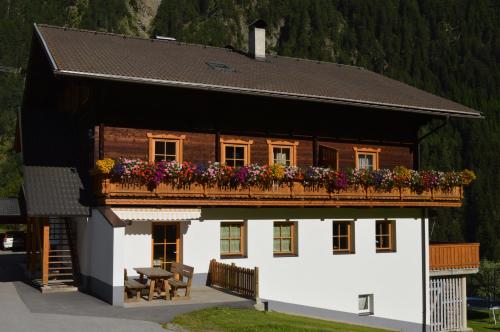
x=165 y=244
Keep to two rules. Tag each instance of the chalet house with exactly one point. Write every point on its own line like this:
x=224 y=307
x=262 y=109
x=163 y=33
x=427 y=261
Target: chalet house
x=145 y=152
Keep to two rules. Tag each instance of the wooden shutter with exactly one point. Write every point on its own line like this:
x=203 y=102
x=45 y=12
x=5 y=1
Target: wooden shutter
x=328 y=157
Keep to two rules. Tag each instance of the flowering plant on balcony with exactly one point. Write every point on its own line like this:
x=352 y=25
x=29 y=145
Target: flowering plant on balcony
x=181 y=175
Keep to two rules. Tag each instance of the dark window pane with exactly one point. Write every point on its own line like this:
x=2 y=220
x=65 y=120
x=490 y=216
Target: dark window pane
x=169 y=158
x=158 y=233
x=158 y=254
x=343 y=243
x=343 y=228
x=229 y=152
x=159 y=147
x=171 y=252
x=239 y=163
x=170 y=148
x=240 y=152
x=171 y=233
x=336 y=243
x=159 y=158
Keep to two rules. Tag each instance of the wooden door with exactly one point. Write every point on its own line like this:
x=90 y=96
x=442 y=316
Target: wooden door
x=165 y=239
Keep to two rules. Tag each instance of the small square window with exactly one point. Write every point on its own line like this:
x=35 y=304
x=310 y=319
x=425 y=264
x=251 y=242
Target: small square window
x=282 y=156
x=165 y=150
x=365 y=304
x=366 y=161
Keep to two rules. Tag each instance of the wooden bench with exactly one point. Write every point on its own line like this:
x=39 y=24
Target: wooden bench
x=183 y=277
x=132 y=286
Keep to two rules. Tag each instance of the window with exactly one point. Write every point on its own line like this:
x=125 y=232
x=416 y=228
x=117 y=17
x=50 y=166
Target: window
x=343 y=237
x=281 y=152
x=165 y=147
x=366 y=158
x=235 y=153
x=284 y=238
x=328 y=157
x=231 y=238
x=365 y=304
x=385 y=231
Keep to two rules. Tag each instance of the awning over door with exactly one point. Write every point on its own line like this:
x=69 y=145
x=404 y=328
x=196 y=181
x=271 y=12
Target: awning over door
x=157 y=214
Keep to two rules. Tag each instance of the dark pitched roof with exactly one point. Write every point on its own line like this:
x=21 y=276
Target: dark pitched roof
x=109 y=56
x=9 y=207
x=53 y=191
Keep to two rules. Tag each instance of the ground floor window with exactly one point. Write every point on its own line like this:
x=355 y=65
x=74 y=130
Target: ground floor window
x=285 y=238
x=385 y=235
x=343 y=239
x=232 y=238
x=365 y=304
x=165 y=244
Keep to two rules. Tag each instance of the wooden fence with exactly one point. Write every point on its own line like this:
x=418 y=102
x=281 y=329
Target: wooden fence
x=453 y=256
x=236 y=279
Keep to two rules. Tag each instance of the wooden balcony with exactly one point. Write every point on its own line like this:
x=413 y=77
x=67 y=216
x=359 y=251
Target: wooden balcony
x=453 y=256
x=130 y=193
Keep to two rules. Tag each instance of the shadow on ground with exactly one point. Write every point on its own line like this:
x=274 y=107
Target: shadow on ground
x=80 y=304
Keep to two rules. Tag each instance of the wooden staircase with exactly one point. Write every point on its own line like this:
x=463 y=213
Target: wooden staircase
x=63 y=270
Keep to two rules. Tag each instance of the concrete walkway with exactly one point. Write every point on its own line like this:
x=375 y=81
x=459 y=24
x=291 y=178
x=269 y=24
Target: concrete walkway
x=23 y=308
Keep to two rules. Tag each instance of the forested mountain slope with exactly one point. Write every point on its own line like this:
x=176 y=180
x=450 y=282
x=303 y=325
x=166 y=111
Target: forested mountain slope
x=448 y=47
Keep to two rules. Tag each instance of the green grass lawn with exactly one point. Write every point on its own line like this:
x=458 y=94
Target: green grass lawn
x=246 y=320
x=480 y=321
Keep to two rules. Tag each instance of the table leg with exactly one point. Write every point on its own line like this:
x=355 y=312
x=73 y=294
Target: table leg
x=151 y=289
x=141 y=278
x=167 y=290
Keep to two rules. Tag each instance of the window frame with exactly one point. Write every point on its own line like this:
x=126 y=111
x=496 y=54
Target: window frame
x=293 y=239
x=283 y=144
x=391 y=235
x=177 y=139
x=242 y=252
x=236 y=143
x=367 y=151
x=370 y=302
x=350 y=237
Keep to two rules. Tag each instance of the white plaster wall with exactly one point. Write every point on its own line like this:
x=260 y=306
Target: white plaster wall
x=100 y=249
x=137 y=246
x=333 y=281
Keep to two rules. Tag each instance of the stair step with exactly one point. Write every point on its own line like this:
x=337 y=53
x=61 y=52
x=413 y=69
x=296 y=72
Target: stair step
x=59 y=256
x=59 y=250
x=60 y=274
x=60 y=262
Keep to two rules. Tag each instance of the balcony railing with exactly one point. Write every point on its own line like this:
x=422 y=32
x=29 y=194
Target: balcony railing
x=295 y=195
x=446 y=256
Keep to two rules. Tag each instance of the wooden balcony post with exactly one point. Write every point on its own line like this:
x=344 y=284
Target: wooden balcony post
x=45 y=251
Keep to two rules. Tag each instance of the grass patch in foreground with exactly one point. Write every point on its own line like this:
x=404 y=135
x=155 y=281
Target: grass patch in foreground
x=481 y=321
x=246 y=320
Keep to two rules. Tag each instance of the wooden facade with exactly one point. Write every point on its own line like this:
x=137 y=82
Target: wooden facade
x=445 y=256
x=201 y=147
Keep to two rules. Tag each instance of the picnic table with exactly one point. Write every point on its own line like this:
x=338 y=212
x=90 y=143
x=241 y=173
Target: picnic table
x=158 y=277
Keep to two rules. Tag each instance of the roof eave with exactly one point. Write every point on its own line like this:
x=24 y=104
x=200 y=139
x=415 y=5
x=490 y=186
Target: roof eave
x=277 y=94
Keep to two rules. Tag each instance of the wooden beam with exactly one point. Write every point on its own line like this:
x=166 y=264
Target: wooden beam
x=45 y=250
x=280 y=203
